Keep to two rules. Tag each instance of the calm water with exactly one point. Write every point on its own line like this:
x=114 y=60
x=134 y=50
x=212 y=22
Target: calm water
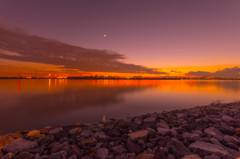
x=34 y=104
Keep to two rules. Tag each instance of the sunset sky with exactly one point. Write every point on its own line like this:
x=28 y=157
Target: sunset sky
x=157 y=37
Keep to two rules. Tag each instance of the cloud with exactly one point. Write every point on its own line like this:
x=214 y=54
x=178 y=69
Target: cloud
x=227 y=73
x=30 y=48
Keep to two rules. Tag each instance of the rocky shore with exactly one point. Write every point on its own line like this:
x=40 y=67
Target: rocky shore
x=207 y=132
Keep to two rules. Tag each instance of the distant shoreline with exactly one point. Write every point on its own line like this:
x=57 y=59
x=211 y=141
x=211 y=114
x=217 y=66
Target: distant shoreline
x=97 y=78
x=200 y=132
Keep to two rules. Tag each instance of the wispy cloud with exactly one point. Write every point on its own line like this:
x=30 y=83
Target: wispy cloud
x=233 y=72
x=17 y=45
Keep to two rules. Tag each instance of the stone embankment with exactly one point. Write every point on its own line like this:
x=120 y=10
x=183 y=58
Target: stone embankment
x=206 y=132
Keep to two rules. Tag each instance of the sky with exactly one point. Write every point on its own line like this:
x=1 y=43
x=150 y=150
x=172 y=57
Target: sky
x=163 y=35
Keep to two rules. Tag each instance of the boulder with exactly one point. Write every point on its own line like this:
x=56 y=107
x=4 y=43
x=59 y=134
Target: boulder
x=215 y=133
x=163 y=131
x=192 y=156
x=138 y=134
x=227 y=118
x=133 y=147
x=178 y=148
x=25 y=155
x=145 y=156
x=205 y=148
x=119 y=149
x=55 y=130
x=102 y=153
x=20 y=145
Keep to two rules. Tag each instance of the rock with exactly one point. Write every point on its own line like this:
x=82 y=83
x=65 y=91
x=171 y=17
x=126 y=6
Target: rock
x=138 y=134
x=150 y=119
x=231 y=139
x=163 y=131
x=174 y=132
x=101 y=135
x=73 y=157
x=25 y=155
x=20 y=145
x=237 y=130
x=126 y=156
x=137 y=121
x=90 y=140
x=192 y=156
x=58 y=155
x=191 y=136
x=178 y=148
x=42 y=157
x=119 y=149
x=8 y=156
x=74 y=131
x=86 y=133
x=207 y=149
x=114 y=132
x=170 y=156
x=46 y=139
x=215 y=133
x=133 y=147
x=8 y=138
x=55 y=147
x=180 y=115
x=145 y=156
x=212 y=157
x=33 y=132
x=162 y=125
x=102 y=153
x=55 y=131
x=227 y=118
x=159 y=154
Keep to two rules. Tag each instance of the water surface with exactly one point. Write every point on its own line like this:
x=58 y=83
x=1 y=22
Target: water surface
x=36 y=103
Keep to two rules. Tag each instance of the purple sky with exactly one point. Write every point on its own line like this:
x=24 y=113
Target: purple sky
x=157 y=33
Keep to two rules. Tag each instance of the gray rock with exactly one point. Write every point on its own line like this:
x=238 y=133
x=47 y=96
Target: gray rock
x=178 y=148
x=102 y=153
x=20 y=145
x=208 y=149
x=163 y=131
x=215 y=133
x=55 y=131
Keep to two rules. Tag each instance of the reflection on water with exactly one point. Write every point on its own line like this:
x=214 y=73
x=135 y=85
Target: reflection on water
x=33 y=104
